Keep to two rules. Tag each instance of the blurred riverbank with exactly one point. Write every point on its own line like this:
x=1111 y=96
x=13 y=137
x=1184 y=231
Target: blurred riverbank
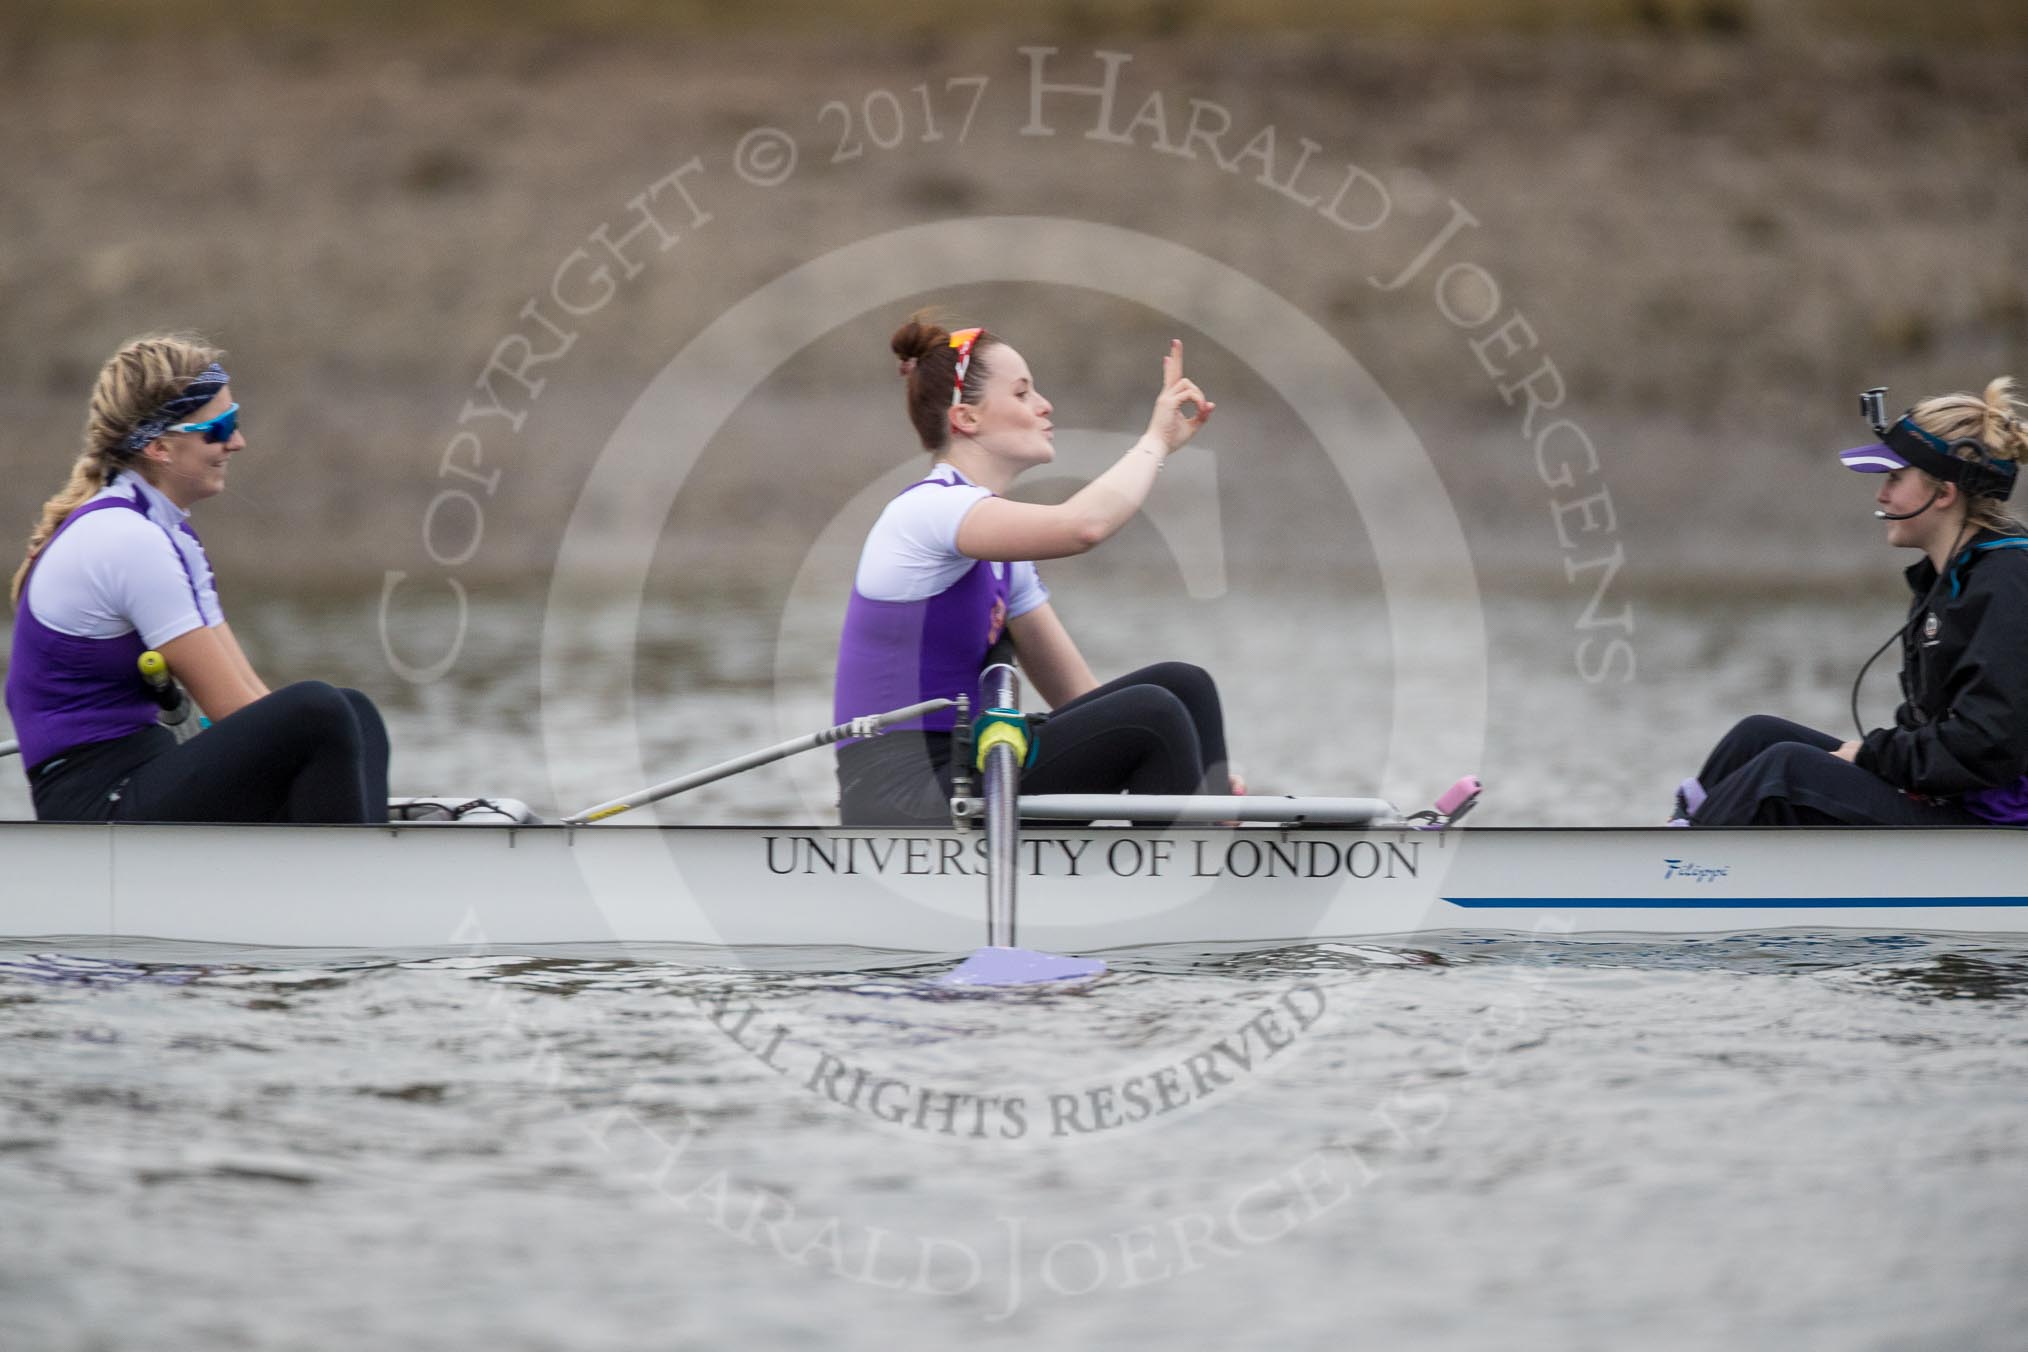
x=1714 y=231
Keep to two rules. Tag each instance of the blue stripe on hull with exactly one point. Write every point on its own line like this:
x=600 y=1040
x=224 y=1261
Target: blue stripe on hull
x=1717 y=903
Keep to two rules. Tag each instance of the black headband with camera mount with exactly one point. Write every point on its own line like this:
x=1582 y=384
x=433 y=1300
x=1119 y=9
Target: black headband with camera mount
x=1984 y=476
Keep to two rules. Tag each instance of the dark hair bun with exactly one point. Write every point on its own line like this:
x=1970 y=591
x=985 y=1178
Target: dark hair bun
x=929 y=364
x=918 y=337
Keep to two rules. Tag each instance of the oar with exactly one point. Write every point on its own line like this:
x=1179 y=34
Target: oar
x=872 y=725
x=1005 y=734
x=9 y=749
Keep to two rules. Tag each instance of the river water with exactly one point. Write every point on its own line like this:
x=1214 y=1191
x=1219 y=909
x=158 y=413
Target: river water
x=1490 y=1141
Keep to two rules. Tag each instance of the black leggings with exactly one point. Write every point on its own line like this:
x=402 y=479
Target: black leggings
x=309 y=752
x=1770 y=772
x=1156 y=730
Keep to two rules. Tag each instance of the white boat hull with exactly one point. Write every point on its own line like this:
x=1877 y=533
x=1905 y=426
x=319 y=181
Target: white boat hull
x=501 y=887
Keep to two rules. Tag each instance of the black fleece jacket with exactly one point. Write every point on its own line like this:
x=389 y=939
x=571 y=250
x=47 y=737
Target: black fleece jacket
x=1963 y=722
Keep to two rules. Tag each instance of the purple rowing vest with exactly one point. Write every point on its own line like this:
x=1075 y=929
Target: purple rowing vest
x=64 y=691
x=897 y=653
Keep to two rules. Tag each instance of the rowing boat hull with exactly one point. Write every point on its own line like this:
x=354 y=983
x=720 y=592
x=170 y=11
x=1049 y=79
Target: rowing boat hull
x=403 y=887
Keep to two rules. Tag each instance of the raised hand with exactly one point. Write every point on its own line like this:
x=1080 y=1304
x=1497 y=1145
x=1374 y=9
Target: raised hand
x=1169 y=424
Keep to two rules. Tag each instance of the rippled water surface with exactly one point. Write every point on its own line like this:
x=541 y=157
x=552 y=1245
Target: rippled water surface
x=1761 y=1141
x=1774 y=1141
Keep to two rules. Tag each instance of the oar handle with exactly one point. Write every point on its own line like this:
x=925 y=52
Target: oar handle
x=175 y=703
x=155 y=671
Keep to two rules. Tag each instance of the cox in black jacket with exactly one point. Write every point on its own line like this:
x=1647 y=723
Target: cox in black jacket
x=1963 y=722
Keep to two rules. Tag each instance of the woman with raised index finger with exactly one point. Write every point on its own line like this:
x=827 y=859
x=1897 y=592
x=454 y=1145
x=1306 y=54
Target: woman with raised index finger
x=950 y=564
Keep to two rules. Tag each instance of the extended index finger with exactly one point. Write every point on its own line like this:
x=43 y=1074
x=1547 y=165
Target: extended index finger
x=1172 y=363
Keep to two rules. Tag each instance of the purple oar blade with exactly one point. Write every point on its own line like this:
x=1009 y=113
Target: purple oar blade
x=1019 y=967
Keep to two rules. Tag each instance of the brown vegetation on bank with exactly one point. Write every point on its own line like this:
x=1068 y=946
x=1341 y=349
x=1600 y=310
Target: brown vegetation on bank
x=1718 y=227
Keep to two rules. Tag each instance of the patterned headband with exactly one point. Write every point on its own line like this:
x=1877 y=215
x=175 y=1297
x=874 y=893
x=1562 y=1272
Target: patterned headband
x=963 y=340
x=196 y=395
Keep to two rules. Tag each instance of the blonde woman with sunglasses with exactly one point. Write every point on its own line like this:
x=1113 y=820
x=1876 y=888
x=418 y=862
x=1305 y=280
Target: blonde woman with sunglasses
x=114 y=569
x=950 y=566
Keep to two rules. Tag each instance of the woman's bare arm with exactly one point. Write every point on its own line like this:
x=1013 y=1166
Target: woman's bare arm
x=212 y=671
x=1056 y=669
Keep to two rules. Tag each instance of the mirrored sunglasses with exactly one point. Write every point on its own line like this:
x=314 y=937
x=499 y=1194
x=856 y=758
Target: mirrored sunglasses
x=217 y=430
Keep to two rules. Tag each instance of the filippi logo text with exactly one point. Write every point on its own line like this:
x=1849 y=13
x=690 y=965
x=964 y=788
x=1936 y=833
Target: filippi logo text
x=1696 y=873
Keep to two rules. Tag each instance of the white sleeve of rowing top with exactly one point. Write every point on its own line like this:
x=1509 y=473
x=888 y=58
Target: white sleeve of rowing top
x=912 y=553
x=1024 y=591
x=193 y=554
x=114 y=573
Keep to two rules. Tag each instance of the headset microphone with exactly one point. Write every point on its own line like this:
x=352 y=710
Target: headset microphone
x=1909 y=516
